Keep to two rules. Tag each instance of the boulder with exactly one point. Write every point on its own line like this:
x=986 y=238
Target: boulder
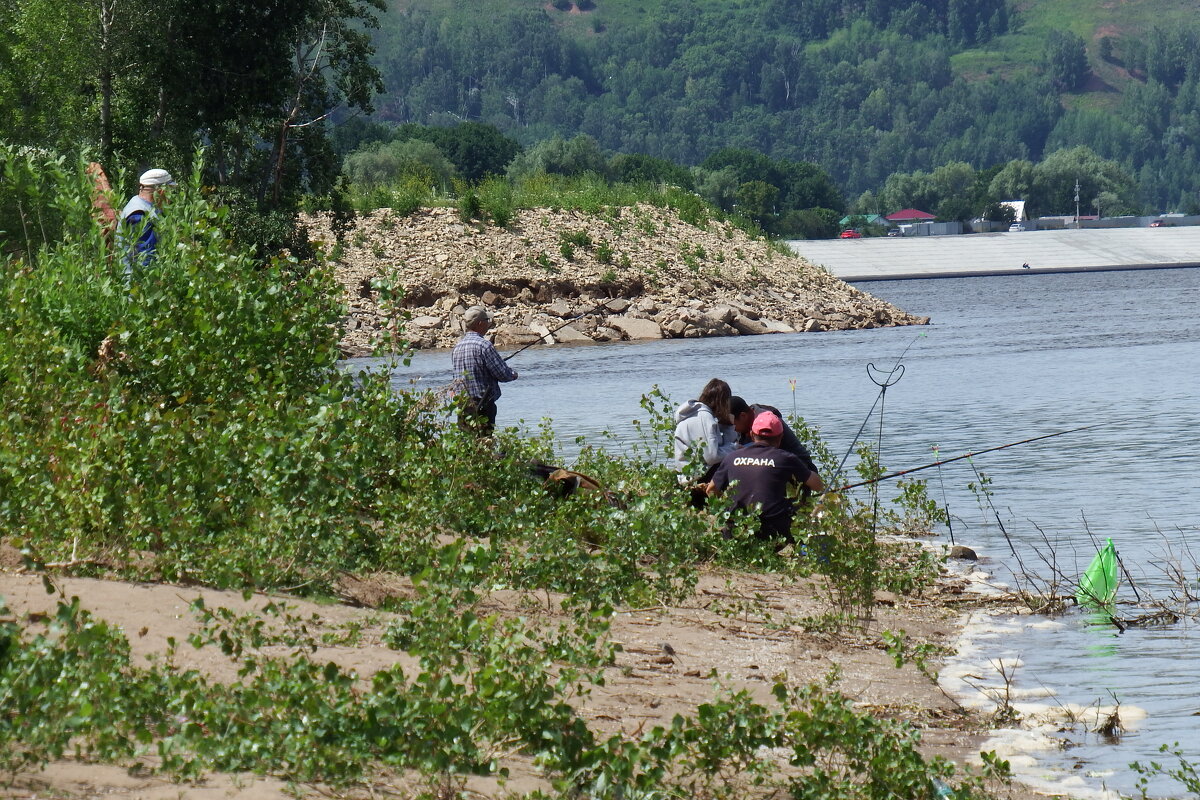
x=543 y=331
x=675 y=328
x=509 y=335
x=425 y=322
x=723 y=313
x=559 y=308
x=568 y=333
x=743 y=309
x=489 y=298
x=715 y=327
x=963 y=552
x=618 y=305
x=747 y=326
x=812 y=326
x=635 y=328
x=775 y=326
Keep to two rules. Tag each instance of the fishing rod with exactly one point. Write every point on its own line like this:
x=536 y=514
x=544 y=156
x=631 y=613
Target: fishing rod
x=567 y=322
x=968 y=455
x=946 y=503
x=987 y=495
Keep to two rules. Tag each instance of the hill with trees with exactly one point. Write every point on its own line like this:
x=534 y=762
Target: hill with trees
x=862 y=90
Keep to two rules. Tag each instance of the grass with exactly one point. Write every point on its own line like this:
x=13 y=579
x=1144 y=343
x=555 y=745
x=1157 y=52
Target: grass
x=1011 y=55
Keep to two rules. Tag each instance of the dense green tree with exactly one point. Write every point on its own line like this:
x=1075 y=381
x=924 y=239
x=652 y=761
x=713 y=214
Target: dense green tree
x=718 y=187
x=808 y=223
x=1014 y=181
x=639 y=168
x=577 y=156
x=1066 y=60
x=253 y=82
x=386 y=162
x=756 y=200
x=1054 y=181
x=999 y=212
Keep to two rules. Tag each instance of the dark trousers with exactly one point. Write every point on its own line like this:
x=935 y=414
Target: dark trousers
x=478 y=416
x=777 y=527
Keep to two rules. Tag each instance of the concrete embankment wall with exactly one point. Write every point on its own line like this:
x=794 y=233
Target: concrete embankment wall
x=896 y=258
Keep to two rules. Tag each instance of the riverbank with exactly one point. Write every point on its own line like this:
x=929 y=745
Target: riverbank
x=737 y=631
x=629 y=273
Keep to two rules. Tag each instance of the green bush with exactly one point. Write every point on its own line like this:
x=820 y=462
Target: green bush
x=482 y=684
x=194 y=427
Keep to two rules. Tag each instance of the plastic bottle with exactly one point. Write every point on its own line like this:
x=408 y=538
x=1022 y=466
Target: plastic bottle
x=942 y=789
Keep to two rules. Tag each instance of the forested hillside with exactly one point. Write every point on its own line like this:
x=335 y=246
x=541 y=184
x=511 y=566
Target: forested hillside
x=864 y=88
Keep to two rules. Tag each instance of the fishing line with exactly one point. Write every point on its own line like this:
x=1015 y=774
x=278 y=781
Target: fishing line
x=987 y=496
x=945 y=503
x=898 y=473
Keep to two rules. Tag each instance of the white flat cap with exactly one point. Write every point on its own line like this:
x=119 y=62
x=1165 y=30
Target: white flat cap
x=156 y=177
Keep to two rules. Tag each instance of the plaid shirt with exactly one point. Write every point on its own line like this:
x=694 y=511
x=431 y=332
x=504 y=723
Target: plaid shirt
x=479 y=368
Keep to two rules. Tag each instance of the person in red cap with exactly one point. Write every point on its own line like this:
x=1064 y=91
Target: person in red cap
x=760 y=473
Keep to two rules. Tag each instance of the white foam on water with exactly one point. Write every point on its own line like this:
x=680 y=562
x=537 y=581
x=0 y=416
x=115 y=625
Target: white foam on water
x=981 y=678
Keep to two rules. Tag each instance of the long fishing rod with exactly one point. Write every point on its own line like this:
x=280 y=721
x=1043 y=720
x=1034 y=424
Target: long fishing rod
x=567 y=322
x=987 y=495
x=946 y=503
x=968 y=455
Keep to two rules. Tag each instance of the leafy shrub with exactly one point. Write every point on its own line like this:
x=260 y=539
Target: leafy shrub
x=496 y=200
x=383 y=163
x=193 y=426
x=482 y=683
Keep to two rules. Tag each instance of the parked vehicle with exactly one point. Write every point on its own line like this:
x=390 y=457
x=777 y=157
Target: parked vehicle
x=1017 y=226
x=1158 y=223
x=895 y=232
x=850 y=233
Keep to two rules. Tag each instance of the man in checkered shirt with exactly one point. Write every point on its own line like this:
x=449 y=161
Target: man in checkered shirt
x=480 y=370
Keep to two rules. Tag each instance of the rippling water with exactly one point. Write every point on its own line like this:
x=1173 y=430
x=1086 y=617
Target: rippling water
x=1007 y=358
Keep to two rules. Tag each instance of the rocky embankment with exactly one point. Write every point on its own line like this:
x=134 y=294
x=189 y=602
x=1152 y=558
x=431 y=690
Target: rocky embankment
x=627 y=273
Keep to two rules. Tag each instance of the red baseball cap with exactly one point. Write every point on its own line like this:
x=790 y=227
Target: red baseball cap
x=767 y=424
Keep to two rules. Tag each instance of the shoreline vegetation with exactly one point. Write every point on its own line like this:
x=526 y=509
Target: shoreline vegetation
x=612 y=273
x=224 y=563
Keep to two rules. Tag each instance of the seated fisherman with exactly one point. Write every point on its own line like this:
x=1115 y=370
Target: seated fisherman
x=743 y=415
x=760 y=473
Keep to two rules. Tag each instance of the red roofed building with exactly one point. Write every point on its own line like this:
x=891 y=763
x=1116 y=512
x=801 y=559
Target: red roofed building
x=910 y=215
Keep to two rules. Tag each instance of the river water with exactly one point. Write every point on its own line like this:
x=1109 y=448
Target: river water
x=1006 y=358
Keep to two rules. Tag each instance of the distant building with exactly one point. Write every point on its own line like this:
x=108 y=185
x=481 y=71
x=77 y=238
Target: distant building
x=868 y=219
x=1018 y=207
x=909 y=215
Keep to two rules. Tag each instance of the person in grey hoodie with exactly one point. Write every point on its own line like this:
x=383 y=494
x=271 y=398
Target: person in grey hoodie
x=704 y=428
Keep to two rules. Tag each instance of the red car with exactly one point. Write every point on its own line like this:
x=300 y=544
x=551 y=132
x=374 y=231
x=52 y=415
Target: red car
x=850 y=233
x=1158 y=223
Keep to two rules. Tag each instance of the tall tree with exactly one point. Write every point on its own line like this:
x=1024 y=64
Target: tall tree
x=1066 y=60
x=153 y=83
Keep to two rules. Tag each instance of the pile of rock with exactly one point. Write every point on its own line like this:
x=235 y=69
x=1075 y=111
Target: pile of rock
x=626 y=273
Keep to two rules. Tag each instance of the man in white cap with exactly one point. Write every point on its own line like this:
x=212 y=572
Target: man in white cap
x=481 y=370
x=135 y=233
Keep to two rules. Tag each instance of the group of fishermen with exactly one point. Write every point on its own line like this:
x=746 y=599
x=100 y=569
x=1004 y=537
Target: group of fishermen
x=721 y=441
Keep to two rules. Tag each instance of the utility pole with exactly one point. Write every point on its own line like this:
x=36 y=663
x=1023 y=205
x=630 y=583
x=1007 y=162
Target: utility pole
x=1077 y=201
